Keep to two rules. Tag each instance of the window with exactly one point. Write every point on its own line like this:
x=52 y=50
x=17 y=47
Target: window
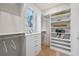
x=31 y=20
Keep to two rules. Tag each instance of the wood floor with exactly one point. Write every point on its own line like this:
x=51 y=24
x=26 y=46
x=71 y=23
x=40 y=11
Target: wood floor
x=46 y=51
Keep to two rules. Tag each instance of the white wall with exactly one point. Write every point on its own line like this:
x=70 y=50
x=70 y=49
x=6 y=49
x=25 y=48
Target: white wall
x=11 y=8
x=43 y=23
x=75 y=29
x=46 y=30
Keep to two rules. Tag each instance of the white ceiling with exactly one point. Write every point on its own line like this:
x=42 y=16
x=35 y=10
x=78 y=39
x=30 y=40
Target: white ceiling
x=45 y=6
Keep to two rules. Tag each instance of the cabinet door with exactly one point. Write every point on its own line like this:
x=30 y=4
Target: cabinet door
x=33 y=44
x=29 y=46
x=6 y=23
x=37 y=43
x=19 y=24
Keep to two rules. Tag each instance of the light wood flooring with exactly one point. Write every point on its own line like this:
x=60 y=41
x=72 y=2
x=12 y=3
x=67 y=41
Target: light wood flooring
x=46 y=51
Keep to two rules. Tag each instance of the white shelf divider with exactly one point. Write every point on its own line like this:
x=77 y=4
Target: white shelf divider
x=60 y=50
x=61 y=15
x=59 y=42
x=60 y=39
x=65 y=20
x=63 y=33
x=62 y=46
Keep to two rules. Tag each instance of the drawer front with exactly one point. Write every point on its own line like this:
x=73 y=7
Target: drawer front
x=33 y=44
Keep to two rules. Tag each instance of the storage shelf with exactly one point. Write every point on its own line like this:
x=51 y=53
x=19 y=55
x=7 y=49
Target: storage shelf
x=61 y=15
x=60 y=50
x=63 y=33
x=62 y=46
x=66 y=20
x=61 y=27
x=59 y=42
x=60 y=39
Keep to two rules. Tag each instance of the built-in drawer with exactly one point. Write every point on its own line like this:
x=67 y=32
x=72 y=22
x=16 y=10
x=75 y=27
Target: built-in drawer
x=33 y=44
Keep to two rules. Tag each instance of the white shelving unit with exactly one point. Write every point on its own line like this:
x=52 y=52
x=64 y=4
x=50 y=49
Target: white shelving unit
x=59 y=18
x=65 y=20
x=63 y=33
x=61 y=50
x=61 y=44
x=60 y=39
